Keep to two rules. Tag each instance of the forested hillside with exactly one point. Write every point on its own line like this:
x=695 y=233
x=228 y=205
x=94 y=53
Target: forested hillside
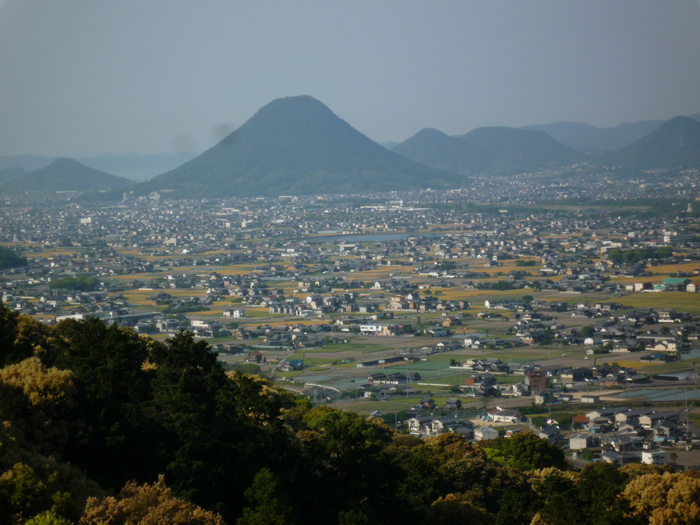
x=101 y=425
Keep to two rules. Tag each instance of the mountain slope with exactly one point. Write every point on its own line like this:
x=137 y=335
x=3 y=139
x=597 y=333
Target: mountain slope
x=675 y=144
x=434 y=148
x=65 y=175
x=11 y=174
x=296 y=146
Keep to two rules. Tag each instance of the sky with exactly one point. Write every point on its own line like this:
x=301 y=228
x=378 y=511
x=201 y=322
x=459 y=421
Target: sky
x=85 y=77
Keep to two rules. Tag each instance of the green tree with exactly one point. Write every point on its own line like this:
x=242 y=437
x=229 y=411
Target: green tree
x=517 y=507
x=82 y=283
x=528 y=451
x=597 y=492
x=9 y=259
x=20 y=337
x=587 y=331
x=352 y=517
x=108 y=365
x=270 y=508
x=23 y=493
x=47 y=518
x=349 y=452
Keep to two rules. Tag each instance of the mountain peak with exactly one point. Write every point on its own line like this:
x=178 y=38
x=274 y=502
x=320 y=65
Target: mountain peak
x=675 y=144
x=66 y=174
x=297 y=145
x=65 y=163
x=302 y=105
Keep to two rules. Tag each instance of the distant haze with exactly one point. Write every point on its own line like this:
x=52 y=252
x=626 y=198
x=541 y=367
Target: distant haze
x=80 y=78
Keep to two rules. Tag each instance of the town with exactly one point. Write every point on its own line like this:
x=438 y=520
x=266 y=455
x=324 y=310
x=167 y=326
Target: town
x=426 y=309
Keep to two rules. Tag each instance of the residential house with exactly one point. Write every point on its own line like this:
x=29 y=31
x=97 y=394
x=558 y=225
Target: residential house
x=551 y=434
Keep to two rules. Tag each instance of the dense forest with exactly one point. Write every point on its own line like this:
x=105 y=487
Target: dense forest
x=101 y=425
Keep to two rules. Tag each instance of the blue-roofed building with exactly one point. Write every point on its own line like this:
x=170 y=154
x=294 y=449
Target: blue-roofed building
x=291 y=365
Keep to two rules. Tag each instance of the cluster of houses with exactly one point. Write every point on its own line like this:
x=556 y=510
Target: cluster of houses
x=617 y=435
x=620 y=435
x=671 y=284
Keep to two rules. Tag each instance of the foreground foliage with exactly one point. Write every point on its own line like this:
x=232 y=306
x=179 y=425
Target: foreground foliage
x=101 y=425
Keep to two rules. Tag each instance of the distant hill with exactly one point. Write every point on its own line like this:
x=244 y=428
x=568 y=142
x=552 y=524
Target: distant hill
x=65 y=175
x=673 y=145
x=11 y=174
x=390 y=145
x=434 y=148
x=134 y=166
x=27 y=162
x=487 y=150
x=584 y=137
x=296 y=146
x=523 y=146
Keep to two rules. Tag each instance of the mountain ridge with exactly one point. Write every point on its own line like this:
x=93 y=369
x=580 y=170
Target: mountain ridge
x=434 y=148
x=499 y=150
x=585 y=137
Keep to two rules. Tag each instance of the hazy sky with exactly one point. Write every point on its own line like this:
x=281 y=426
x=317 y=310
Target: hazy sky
x=83 y=77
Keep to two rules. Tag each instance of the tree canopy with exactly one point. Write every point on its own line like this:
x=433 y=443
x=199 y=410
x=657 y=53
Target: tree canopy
x=9 y=259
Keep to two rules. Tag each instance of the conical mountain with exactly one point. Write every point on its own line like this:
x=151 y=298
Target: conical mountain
x=65 y=175
x=296 y=146
x=676 y=144
x=438 y=150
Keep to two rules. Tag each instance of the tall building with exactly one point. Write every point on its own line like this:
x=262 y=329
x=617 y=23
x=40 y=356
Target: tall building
x=536 y=380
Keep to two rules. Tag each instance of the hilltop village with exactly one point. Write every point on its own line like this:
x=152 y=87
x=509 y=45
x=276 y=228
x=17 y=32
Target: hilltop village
x=437 y=314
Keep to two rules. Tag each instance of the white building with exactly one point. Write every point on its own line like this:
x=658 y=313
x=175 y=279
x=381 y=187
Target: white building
x=580 y=441
x=657 y=457
x=485 y=433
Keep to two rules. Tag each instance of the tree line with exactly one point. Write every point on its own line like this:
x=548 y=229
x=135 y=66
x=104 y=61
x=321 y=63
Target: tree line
x=639 y=254
x=101 y=425
x=9 y=259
